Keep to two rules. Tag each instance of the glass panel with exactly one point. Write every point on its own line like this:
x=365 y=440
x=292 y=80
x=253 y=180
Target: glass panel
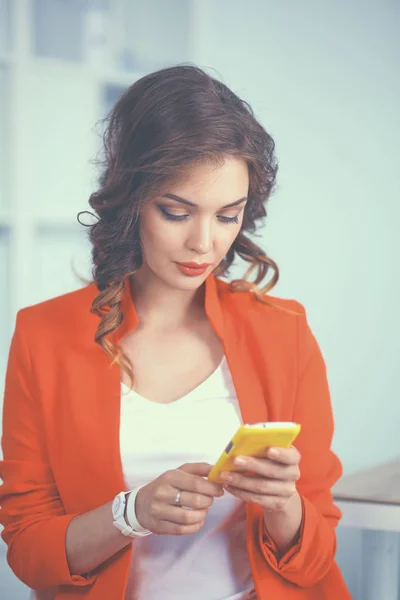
x=5 y=26
x=4 y=139
x=111 y=93
x=152 y=34
x=57 y=29
x=128 y=35
x=73 y=30
x=62 y=255
x=6 y=324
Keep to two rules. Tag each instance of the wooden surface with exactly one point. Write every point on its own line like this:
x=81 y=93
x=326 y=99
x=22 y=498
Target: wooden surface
x=379 y=484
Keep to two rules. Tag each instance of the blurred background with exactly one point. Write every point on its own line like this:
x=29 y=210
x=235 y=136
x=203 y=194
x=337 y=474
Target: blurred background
x=323 y=77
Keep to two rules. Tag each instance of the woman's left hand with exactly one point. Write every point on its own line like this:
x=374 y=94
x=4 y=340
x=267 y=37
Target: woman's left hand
x=269 y=481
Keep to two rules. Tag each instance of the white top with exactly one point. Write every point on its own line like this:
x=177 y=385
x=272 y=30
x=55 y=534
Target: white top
x=213 y=563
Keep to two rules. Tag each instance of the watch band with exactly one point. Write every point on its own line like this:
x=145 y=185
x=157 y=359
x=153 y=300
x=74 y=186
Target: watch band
x=131 y=513
x=119 y=519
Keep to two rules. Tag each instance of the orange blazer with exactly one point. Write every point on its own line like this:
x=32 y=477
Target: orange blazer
x=61 y=439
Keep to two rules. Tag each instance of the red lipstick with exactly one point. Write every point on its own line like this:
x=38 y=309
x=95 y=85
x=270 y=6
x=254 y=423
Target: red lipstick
x=192 y=269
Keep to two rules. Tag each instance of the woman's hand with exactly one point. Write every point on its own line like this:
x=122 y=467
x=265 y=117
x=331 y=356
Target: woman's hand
x=155 y=502
x=268 y=481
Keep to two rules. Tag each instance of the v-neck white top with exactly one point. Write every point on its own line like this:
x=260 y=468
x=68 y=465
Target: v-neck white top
x=213 y=563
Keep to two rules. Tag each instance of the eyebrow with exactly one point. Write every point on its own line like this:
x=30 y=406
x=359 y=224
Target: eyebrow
x=183 y=201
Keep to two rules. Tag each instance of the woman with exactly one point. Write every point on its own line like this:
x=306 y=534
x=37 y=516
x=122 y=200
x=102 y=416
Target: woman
x=120 y=396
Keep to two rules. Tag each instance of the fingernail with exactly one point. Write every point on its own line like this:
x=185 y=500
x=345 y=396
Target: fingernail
x=273 y=452
x=239 y=460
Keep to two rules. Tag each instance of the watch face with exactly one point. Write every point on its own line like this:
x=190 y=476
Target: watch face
x=117 y=506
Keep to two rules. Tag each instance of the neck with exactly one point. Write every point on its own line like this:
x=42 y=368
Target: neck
x=161 y=307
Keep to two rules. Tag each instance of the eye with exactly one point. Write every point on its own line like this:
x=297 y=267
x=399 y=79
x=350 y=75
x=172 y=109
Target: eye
x=228 y=219
x=169 y=217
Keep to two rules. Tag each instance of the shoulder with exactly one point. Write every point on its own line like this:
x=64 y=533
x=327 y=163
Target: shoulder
x=266 y=308
x=281 y=323
x=65 y=313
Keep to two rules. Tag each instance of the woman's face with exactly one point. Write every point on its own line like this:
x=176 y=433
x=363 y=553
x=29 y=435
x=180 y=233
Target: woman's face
x=190 y=222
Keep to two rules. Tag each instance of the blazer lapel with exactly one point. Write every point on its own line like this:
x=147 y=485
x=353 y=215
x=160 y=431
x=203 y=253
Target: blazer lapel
x=234 y=333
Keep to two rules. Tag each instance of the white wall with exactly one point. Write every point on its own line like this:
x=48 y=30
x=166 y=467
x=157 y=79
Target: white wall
x=322 y=77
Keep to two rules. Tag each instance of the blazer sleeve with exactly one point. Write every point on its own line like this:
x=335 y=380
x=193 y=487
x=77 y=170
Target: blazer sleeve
x=31 y=509
x=312 y=555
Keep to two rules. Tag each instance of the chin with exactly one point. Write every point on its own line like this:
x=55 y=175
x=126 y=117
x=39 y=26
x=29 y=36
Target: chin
x=180 y=281
x=184 y=282
x=189 y=283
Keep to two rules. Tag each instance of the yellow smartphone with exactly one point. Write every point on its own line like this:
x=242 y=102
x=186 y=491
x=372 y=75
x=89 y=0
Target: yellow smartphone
x=252 y=440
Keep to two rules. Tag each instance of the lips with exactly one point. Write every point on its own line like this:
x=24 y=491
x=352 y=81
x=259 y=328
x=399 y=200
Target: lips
x=192 y=269
x=193 y=265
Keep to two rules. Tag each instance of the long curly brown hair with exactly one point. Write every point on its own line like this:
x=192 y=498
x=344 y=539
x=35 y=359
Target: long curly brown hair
x=165 y=121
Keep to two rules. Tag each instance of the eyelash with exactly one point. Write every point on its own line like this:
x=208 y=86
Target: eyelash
x=168 y=217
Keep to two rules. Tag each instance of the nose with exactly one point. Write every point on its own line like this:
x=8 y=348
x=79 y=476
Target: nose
x=201 y=237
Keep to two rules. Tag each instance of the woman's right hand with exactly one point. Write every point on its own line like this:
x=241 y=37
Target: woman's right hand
x=155 y=502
